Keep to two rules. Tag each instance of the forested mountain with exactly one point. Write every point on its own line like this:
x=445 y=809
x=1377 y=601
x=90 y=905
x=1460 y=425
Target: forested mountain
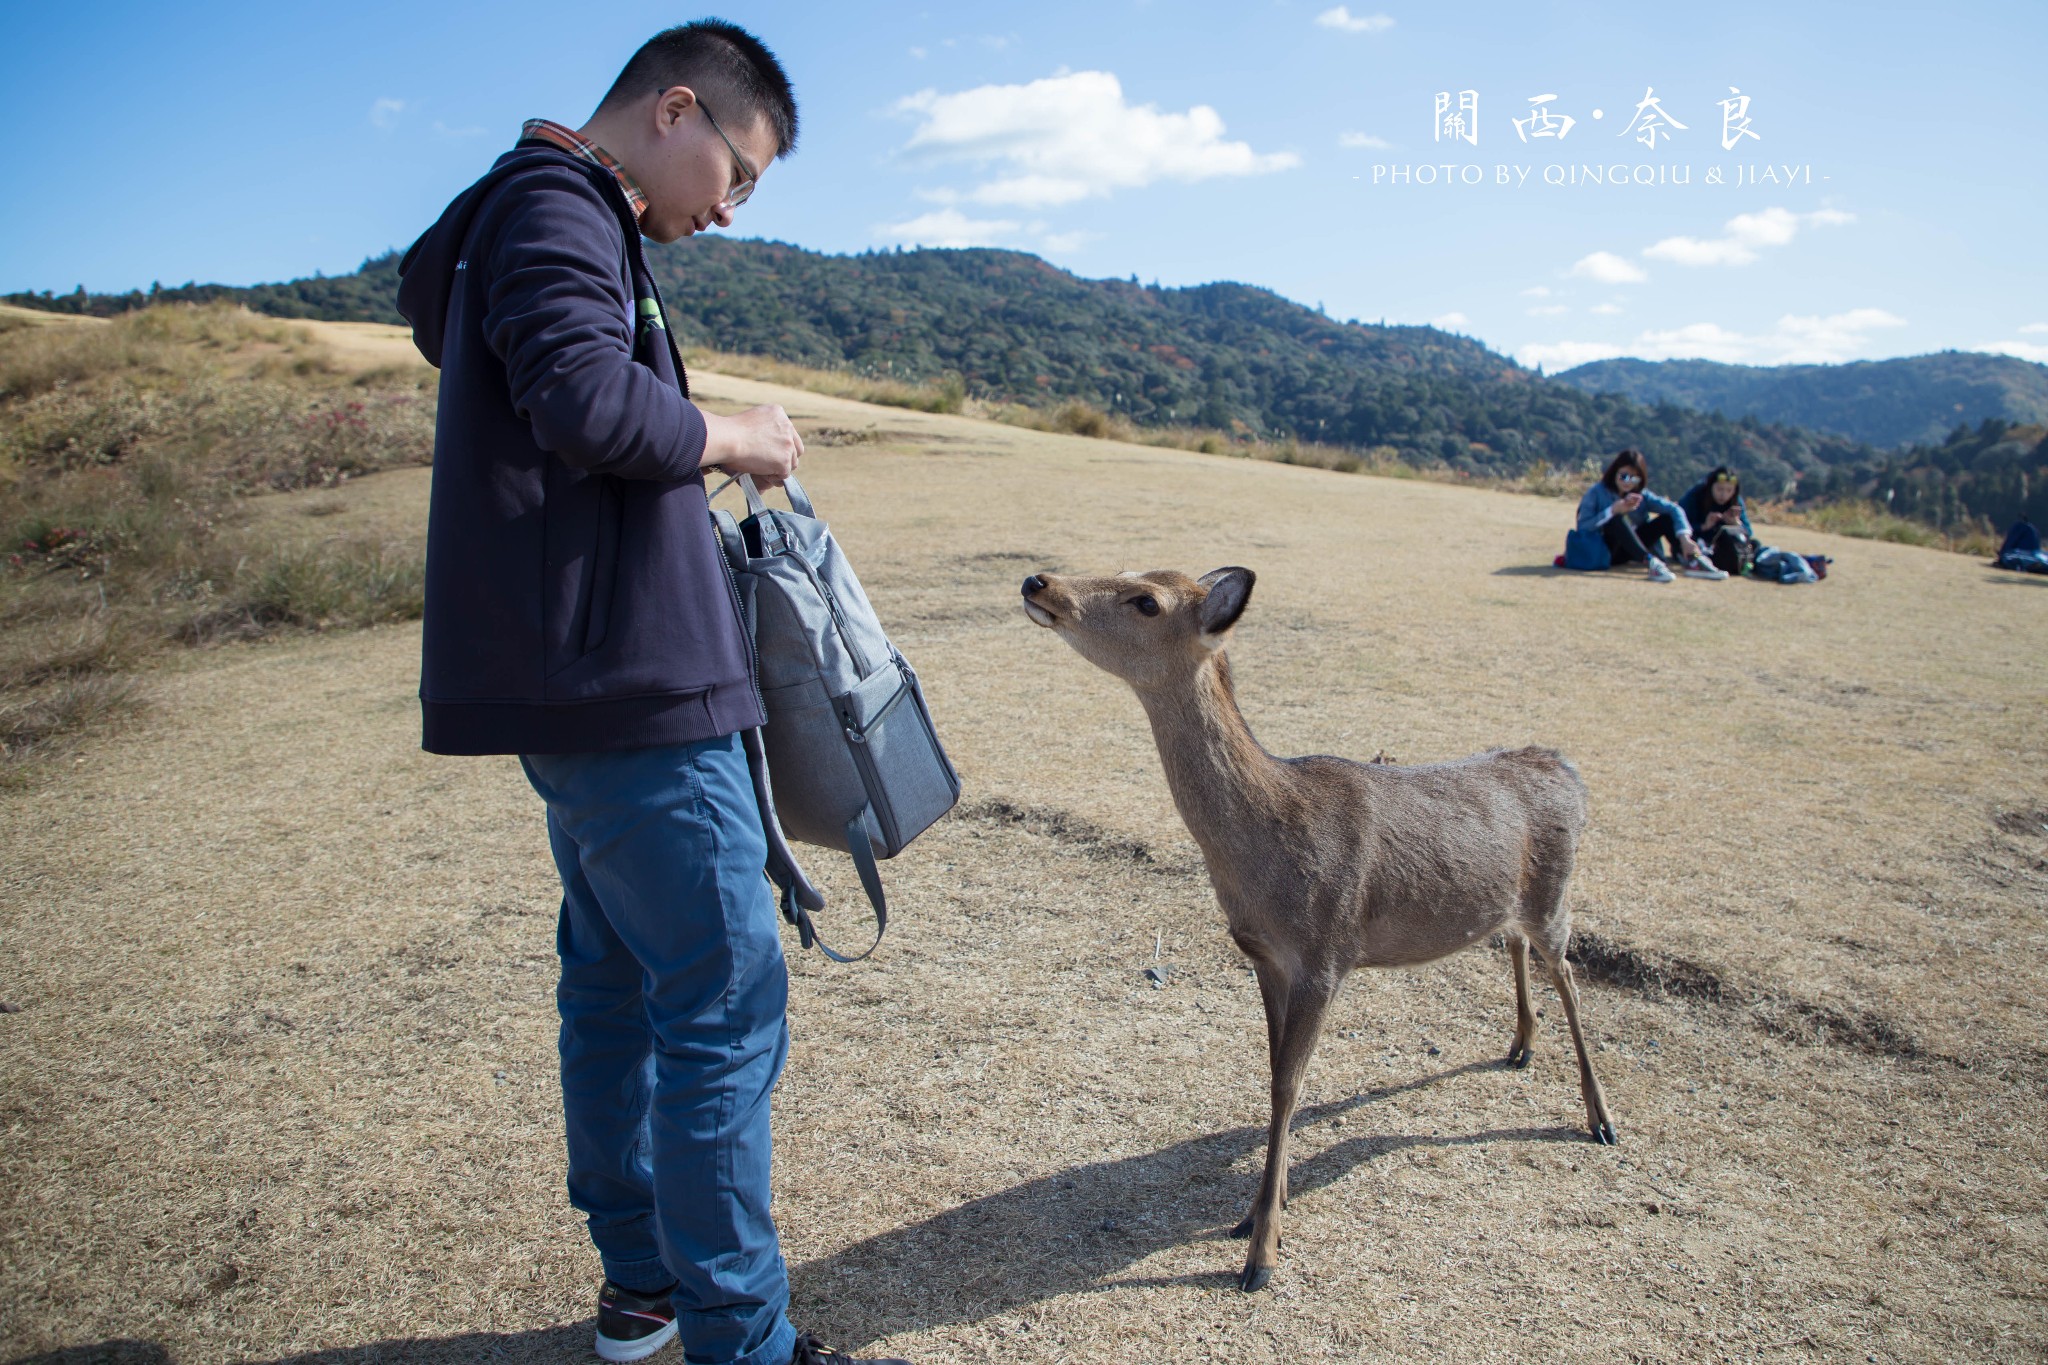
x=368 y=295
x=1992 y=472
x=1912 y=399
x=1229 y=356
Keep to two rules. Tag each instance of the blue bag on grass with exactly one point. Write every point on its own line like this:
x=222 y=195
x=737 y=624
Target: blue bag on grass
x=1586 y=550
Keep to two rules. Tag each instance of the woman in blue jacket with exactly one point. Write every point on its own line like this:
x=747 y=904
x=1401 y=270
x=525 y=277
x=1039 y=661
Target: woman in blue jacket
x=1614 y=510
x=1718 y=515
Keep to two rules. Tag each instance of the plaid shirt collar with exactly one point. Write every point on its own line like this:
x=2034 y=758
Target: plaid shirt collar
x=574 y=143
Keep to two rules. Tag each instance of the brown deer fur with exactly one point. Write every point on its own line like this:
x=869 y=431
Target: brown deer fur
x=1322 y=864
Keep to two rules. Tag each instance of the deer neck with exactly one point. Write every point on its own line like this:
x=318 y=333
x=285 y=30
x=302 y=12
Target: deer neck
x=1220 y=777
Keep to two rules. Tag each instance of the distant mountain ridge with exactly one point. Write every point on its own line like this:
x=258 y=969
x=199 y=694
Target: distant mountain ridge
x=1884 y=403
x=1229 y=356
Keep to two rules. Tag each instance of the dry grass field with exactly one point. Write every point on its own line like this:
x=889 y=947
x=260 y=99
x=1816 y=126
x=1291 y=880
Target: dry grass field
x=280 y=1085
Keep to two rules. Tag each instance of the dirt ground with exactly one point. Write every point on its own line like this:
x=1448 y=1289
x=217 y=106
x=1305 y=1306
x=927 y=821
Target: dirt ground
x=281 y=1085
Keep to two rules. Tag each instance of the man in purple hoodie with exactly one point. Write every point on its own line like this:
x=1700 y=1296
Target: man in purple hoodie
x=579 y=614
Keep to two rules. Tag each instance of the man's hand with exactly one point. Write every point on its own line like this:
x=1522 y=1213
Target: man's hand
x=759 y=441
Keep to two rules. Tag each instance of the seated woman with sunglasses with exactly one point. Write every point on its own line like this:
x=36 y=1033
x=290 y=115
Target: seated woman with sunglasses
x=1613 y=509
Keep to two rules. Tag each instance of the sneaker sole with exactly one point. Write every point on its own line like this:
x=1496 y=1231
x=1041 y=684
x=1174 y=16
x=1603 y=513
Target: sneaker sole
x=639 y=1348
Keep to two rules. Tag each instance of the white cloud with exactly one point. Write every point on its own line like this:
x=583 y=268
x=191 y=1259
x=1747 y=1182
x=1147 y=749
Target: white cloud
x=384 y=112
x=1607 y=309
x=1743 y=236
x=1830 y=338
x=1536 y=291
x=1363 y=140
x=1696 y=341
x=1061 y=243
x=947 y=227
x=1550 y=310
x=1562 y=355
x=1342 y=18
x=2034 y=327
x=1451 y=321
x=918 y=53
x=1694 y=251
x=2023 y=350
x=1795 y=339
x=1608 y=268
x=1071 y=136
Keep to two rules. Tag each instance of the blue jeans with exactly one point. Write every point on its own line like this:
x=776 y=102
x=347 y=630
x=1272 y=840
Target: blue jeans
x=672 y=1000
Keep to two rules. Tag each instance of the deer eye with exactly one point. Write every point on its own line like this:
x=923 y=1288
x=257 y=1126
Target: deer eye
x=1146 y=606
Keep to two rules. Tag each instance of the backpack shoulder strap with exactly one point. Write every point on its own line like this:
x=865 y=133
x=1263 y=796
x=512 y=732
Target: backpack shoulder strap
x=863 y=850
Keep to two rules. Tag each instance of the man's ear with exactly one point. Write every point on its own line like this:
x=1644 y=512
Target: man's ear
x=672 y=104
x=1229 y=590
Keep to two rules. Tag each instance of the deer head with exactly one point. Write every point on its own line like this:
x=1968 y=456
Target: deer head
x=1150 y=629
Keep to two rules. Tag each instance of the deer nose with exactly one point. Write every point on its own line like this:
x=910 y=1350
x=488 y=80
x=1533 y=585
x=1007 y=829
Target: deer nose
x=1034 y=584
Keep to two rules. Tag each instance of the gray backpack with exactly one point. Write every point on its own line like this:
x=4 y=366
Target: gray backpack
x=856 y=764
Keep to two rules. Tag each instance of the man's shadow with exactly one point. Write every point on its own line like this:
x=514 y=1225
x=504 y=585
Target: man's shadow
x=1069 y=1232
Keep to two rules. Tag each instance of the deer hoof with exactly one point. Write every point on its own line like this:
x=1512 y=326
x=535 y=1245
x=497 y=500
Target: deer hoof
x=1255 y=1278
x=1243 y=1230
x=1518 y=1056
x=1604 y=1134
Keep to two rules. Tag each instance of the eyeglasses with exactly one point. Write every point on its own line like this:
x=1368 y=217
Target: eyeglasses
x=737 y=195
x=1627 y=476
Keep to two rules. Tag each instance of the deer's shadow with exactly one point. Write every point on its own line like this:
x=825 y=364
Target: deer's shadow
x=1075 y=1230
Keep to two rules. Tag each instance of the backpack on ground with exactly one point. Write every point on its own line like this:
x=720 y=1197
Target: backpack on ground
x=1586 y=550
x=1782 y=566
x=855 y=762
x=1733 y=553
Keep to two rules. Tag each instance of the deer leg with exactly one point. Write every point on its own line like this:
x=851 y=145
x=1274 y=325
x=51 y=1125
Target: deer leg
x=1597 y=1117
x=1273 y=992
x=1306 y=1004
x=1525 y=1018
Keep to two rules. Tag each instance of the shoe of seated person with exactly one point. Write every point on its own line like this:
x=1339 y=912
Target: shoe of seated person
x=1700 y=568
x=633 y=1326
x=1659 y=573
x=811 y=1351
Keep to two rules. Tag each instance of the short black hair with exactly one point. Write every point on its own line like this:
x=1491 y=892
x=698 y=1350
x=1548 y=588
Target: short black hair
x=725 y=65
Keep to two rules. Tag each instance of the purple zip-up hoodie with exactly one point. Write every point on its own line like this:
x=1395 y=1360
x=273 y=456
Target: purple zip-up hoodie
x=576 y=598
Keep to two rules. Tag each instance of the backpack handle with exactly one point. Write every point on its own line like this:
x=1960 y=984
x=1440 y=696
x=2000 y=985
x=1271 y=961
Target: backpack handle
x=799 y=501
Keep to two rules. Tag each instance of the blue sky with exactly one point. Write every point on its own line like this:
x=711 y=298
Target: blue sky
x=1261 y=142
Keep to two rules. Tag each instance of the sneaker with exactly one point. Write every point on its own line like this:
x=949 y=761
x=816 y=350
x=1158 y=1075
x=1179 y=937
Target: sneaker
x=1658 y=572
x=811 y=1351
x=1700 y=568
x=633 y=1326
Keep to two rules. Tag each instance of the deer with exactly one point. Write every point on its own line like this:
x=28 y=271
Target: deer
x=1322 y=865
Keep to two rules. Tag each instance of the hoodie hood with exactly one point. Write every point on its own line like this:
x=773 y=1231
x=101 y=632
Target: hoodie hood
x=426 y=275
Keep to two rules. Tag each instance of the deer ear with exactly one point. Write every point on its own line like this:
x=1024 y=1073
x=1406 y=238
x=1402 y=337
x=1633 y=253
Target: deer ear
x=1229 y=590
